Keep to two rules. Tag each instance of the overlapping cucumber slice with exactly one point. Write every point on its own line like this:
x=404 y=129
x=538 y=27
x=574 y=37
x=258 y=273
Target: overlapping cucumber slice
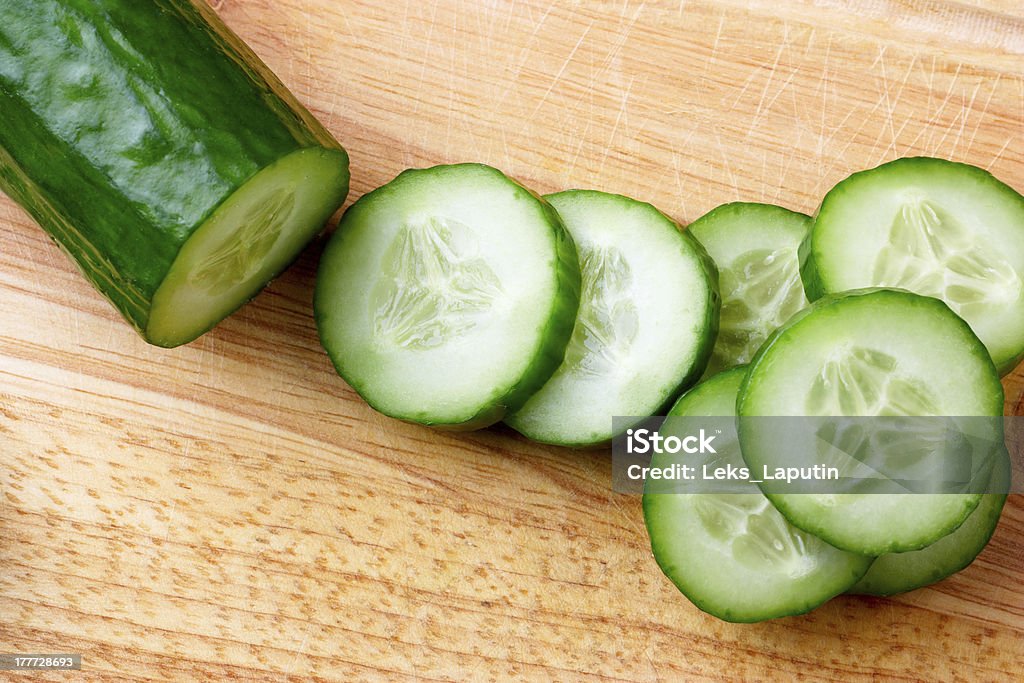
x=900 y=572
x=733 y=554
x=934 y=227
x=646 y=323
x=869 y=353
x=755 y=247
x=447 y=296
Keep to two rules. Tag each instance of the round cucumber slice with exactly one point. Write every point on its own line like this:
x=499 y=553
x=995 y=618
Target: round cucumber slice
x=246 y=242
x=866 y=353
x=646 y=323
x=733 y=554
x=447 y=296
x=756 y=248
x=933 y=227
x=901 y=572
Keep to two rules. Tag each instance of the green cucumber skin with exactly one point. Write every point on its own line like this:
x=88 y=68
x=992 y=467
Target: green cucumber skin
x=813 y=280
x=126 y=124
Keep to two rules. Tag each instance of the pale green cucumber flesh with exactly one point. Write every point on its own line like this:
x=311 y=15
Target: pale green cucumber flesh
x=732 y=554
x=646 y=323
x=900 y=572
x=755 y=247
x=245 y=242
x=933 y=227
x=447 y=296
x=867 y=353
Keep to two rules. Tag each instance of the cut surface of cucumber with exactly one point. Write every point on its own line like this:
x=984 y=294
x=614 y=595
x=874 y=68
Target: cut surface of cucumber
x=246 y=242
x=161 y=154
x=646 y=323
x=447 y=296
x=933 y=227
x=873 y=352
x=900 y=572
x=733 y=554
x=755 y=247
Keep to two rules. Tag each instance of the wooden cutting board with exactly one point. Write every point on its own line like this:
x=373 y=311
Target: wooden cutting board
x=232 y=509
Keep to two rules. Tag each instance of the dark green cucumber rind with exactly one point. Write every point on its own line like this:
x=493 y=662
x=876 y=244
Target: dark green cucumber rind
x=779 y=500
x=553 y=340
x=172 y=116
x=809 y=276
x=650 y=503
x=813 y=279
x=686 y=403
x=901 y=572
x=561 y=320
x=702 y=355
x=711 y=317
x=725 y=211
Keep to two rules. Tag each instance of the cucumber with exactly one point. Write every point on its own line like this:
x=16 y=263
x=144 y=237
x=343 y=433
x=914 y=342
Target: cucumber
x=732 y=554
x=646 y=324
x=933 y=227
x=756 y=248
x=447 y=296
x=159 y=152
x=901 y=572
x=872 y=352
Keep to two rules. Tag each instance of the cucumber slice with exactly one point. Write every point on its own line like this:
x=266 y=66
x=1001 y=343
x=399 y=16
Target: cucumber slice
x=161 y=154
x=447 y=296
x=732 y=554
x=865 y=353
x=646 y=324
x=755 y=247
x=933 y=227
x=901 y=572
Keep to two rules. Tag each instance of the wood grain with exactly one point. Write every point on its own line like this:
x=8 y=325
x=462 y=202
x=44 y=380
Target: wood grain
x=232 y=510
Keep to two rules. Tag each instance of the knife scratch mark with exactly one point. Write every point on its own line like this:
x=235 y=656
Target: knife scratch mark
x=984 y=110
x=771 y=77
x=932 y=147
x=889 y=108
x=525 y=53
x=713 y=56
x=998 y=155
x=558 y=75
x=726 y=166
x=623 y=105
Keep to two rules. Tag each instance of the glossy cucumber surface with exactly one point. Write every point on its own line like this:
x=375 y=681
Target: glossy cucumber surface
x=126 y=125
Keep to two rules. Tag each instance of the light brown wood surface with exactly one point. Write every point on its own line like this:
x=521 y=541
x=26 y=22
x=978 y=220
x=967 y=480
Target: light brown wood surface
x=231 y=509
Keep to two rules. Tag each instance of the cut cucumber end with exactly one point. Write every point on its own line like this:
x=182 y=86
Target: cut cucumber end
x=249 y=239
